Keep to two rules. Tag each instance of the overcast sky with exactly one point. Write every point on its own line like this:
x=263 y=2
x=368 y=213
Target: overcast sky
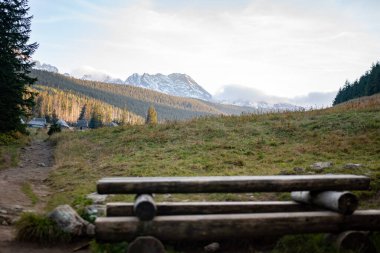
x=280 y=48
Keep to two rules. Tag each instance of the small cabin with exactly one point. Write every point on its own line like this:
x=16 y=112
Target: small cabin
x=37 y=123
x=63 y=124
x=82 y=124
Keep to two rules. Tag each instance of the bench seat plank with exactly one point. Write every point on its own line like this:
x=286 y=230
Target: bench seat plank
x=231 y=184
x=119 y=209
x=229 y=226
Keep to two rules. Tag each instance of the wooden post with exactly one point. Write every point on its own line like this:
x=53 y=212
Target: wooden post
x=357 y=241
x=342 y=202
x=233 y=184
x=233 y=226
x=144 y=207
x=120 y=209
x=146 y=244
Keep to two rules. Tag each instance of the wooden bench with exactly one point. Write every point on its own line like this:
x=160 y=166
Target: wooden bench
x=321 y=204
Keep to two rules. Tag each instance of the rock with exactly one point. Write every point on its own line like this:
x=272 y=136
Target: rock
x=95 y=210
x=212 y=247
x=41 y=164
x=353 y=166
x=321 y=165
x=298 y=170
x=97 y=198
x=69 y=221
x=285 y=172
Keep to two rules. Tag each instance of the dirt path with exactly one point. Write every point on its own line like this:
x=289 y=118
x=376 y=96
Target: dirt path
x=16 y=186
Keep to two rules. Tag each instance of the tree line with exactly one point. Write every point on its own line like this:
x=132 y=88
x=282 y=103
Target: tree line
x=367 y=85
x=71 y=106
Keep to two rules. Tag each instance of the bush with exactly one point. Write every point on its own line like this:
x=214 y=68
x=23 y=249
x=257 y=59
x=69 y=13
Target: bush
x=40 y=229
x=55 y=128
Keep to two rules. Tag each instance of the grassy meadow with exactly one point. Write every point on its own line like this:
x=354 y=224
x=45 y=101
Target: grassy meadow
x=10 y=144
x=268 y=144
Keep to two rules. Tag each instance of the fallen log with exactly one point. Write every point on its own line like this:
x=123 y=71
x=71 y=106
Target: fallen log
x=233 y=184
x=342 y=202
x=357 y=241
x=222 y=226
x=120 y=209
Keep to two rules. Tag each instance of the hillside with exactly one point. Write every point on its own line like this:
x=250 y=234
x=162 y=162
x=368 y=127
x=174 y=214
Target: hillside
x=367 y=85
x=136 y=99
x=267 y=144
x=69 y=105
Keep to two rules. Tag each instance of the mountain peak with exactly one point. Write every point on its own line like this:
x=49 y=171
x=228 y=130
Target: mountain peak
x=176 y=84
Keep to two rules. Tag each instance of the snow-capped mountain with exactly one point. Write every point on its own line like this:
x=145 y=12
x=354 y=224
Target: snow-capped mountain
x=100 y=77
x=46 y=67
x=174 y=84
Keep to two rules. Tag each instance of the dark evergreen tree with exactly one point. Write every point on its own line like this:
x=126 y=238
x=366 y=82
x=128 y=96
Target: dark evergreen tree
x=16 y=100
x=151 y=117
x=82 y=114
x=367 y=85
x=96 y=120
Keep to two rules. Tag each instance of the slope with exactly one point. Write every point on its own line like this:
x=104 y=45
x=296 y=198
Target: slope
x=137 y=100
x=267 y=144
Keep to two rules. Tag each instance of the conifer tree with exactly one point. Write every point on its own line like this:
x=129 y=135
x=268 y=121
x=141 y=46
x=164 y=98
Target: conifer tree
x=16 y=100
x=151 y=117
x=96 y=120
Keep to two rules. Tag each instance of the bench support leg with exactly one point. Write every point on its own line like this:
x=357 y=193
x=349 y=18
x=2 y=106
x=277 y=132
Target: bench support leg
x=146 y=244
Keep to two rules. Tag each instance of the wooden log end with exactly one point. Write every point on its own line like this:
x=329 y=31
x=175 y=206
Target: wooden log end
x=145 y=208
x=355 y=240
x=146 y=244
x=348 y=203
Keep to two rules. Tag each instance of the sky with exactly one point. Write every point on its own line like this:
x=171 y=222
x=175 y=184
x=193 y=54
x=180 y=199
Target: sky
x=287 y=48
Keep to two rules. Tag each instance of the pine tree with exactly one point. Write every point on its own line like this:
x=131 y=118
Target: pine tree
x=96 y=120
x=16 y=100
x=82 y=114
x=151 y=117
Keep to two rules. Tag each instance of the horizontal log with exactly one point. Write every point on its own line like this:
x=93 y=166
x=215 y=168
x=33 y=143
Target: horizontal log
x=141 y=185
x=222 y=226
x=119 y=209
x=342 y=202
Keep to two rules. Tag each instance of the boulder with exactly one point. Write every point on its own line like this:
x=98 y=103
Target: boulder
x=353 y=166
x=97 y=198
x=299 y=170
x=212 y=247
x=70 y=222
x=319 y=166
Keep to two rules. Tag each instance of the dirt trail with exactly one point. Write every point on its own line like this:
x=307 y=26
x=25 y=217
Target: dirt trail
x=36 y=161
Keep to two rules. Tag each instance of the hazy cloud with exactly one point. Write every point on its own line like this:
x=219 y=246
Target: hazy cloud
x=234 y=93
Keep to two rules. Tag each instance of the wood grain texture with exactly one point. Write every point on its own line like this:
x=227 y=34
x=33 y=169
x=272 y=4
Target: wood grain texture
x=342 y=202
x=148 y=185
x=222 y=226
x=120 y=209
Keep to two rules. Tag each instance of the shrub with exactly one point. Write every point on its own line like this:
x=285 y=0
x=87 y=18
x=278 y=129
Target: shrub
x=40 y=229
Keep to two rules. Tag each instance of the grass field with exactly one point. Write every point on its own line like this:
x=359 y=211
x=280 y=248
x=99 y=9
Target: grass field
x=267 y=144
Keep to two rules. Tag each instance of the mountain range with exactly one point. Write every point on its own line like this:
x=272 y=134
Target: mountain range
x=176 y=84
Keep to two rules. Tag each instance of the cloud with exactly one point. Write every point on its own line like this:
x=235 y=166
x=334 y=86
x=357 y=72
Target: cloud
x=237 y=93
x=275 y=46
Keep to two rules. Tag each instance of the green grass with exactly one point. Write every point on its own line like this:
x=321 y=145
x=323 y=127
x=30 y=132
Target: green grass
x=267 y=144
x=39 y=229
x=26 y=188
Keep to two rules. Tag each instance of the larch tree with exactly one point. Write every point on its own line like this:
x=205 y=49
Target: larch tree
x=151 y=117
x=16 y=100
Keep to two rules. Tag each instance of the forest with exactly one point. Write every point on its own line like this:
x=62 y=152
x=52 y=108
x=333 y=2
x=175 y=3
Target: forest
x=367 y=85
x=71 y=106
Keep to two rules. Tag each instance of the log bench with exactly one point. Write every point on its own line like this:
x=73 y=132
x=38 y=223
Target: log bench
x=320 y=204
